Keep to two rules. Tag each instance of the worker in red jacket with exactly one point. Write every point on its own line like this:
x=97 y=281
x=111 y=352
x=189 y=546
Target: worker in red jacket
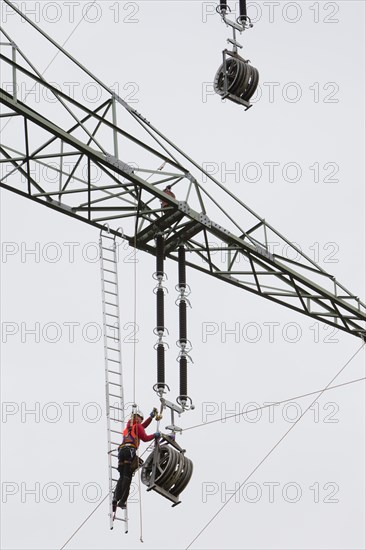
x=127 y=459
x=167 y=191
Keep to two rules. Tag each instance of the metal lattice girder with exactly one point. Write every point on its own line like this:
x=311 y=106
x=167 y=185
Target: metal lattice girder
x=75 y=142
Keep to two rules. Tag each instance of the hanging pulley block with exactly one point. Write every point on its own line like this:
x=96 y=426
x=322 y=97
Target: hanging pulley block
x=167 y=470
x=236 y=79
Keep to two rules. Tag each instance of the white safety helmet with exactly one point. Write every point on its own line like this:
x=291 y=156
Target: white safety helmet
x=138 y=413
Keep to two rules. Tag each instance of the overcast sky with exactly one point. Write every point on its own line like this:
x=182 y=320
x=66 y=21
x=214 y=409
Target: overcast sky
x=308 y=119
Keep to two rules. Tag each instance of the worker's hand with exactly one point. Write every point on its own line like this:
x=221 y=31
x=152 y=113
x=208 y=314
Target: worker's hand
x=157 y=435
x=154 y=412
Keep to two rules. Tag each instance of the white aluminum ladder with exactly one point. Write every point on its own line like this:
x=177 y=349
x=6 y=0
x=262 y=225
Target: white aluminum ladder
x=112 y=360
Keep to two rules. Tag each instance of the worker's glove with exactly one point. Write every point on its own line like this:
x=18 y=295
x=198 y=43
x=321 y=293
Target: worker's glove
x=154 y=412
x=157 y=435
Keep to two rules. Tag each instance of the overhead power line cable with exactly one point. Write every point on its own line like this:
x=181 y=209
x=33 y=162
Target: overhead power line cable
x=272 y=449
x=274 y=403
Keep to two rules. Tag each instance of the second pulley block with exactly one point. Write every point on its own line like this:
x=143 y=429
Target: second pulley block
x=236 y=79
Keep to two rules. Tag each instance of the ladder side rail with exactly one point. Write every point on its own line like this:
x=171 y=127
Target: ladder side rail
x=110 y=477
x=113 y=374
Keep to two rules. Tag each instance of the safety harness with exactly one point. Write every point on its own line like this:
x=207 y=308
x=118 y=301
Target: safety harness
x=130 y=436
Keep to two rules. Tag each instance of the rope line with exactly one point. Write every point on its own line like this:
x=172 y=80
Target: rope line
x=135 y=295
x=134 y=318
x=272 y=450
x=140 y=501
x=134 y=347
x=83 y=523
x=274 y=404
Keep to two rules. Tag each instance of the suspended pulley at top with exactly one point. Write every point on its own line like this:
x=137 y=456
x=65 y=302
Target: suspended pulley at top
x=236 y=79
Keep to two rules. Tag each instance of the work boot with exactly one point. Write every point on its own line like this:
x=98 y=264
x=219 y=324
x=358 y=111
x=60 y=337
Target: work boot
x=121 y=505
x=114 y=505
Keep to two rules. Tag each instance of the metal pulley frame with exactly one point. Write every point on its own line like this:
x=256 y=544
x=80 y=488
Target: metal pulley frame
x=236 y=79
x=167 y=470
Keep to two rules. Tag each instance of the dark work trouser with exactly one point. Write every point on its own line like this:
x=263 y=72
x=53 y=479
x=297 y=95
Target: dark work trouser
x=126 y=456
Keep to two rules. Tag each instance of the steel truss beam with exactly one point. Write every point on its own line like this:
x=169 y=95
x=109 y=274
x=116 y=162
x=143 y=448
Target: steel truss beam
x=77 y=143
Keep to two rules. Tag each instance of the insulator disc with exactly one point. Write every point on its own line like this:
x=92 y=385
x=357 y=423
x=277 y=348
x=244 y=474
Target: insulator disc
x=160 y=309
x=160 y=351
x=182 y=266
x=183 y=375
x=159 y=255
x=182 y=321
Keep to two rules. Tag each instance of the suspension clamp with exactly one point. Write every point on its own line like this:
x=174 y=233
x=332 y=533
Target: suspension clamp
x=173 y=409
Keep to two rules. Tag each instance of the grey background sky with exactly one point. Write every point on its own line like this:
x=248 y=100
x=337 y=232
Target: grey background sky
x=163 y=61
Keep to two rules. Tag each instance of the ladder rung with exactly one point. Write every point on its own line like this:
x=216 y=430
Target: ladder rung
x=114 y=443
x=104 y=236
x=113 y=361
x=116 y=420
x=106 y=248
x=114 y=480
x=111 y=315
x=119 y=519
x=114 y=395
x=107 y=260
x=117 y=408
x=113 y=338
x=113 y=349
x=115 y=431
x=110 y=304
x=109 y=270
x=114 y=372
x=112 y=326
x=109 y=292
x=108 y=281
x=115 y=383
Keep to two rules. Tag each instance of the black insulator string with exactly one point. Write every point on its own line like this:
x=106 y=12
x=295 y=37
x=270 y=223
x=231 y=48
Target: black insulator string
x=160 y=328
x=161 y=365
x=243 y=9
x=159 y=310
x=159 y=256
x=182 y=322
x=182 y=266
x=183 y=376
x=182 y=326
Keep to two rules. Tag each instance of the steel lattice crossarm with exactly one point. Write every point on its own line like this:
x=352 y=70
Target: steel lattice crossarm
x=111 y=165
